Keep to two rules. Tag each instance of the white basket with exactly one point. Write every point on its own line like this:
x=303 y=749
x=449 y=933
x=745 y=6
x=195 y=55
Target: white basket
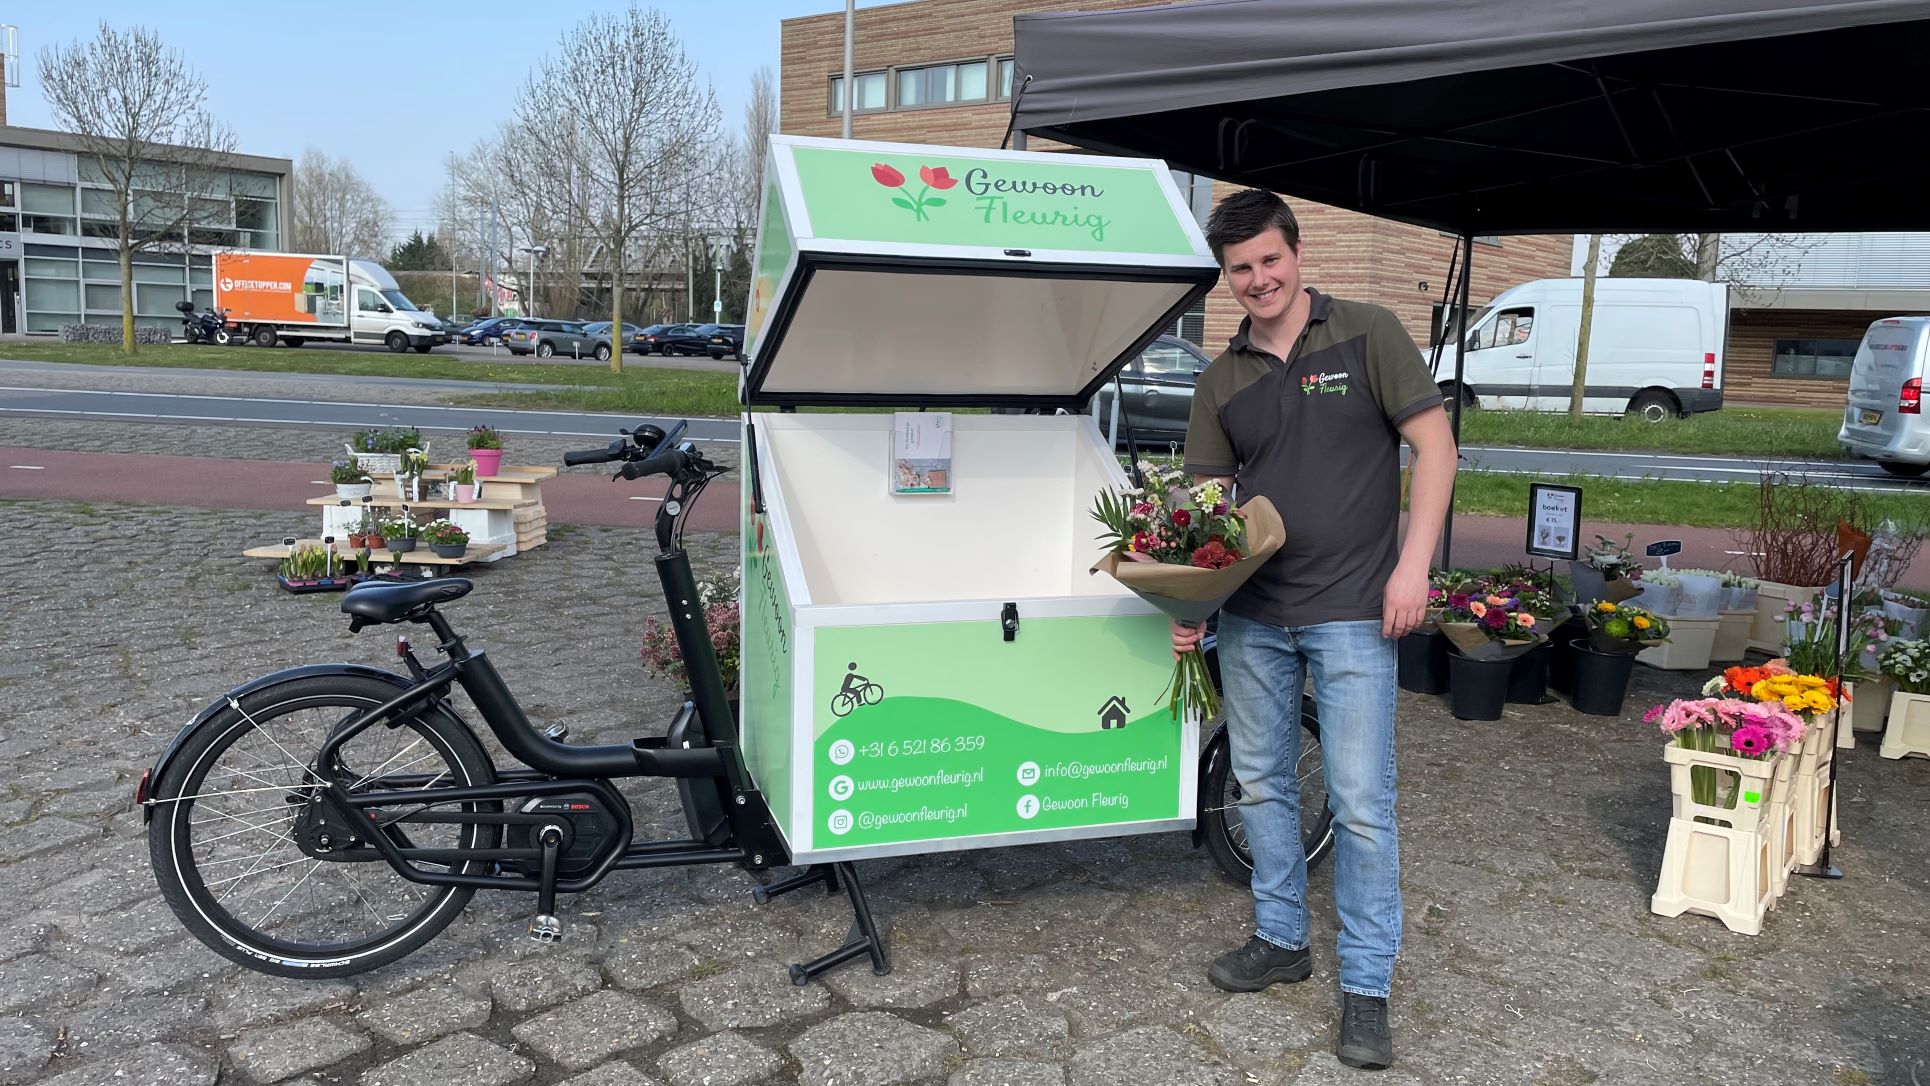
x=373 y=462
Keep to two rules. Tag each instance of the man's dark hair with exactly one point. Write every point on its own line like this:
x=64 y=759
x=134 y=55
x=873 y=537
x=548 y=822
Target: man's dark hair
x=1246 y=215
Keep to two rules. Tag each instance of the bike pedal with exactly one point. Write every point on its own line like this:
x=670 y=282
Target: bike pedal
x=545 y=928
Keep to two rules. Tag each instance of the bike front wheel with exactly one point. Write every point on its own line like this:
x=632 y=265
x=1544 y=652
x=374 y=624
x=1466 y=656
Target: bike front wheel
x=224 y=836
x=1225 y=833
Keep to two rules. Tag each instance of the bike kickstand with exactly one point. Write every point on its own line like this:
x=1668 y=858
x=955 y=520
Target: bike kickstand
x=865 y=938
x=544 y=927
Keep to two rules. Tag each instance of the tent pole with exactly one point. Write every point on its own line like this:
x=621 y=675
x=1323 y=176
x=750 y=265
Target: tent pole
x=1460 y=326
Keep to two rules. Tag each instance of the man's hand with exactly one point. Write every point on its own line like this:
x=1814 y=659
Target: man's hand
x=1404 y=603
x=1185 y=638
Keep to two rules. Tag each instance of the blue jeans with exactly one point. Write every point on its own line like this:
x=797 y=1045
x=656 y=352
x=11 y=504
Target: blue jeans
x=1263 y=669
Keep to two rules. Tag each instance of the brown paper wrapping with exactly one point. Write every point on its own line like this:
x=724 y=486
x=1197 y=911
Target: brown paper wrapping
x=1473 y=642
x=1189 y=593
x=1620 y=590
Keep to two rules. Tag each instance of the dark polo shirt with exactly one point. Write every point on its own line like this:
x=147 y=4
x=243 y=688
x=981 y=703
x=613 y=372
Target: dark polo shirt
x=1315 y=434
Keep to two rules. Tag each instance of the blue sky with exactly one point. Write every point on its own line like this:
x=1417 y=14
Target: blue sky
x=449 y=70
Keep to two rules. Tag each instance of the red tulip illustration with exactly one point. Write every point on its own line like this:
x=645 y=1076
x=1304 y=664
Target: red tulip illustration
x=934 y=177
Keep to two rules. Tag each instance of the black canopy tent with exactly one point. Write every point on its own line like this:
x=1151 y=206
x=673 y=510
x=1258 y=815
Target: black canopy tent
x=1479 y=117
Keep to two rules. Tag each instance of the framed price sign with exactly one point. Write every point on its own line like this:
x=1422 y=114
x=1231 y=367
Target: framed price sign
x=1554 y=521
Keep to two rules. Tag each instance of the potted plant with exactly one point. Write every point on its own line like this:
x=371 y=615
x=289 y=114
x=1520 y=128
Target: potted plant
x=351 y=483
x=411 y=463
x=720 y=597
x=1907 y=663
x=398 y=534
x=1487 y=632
x=486 y=449
x=464 y=481
x=1661 y=592
x=1909 y=610
x=1606 y=659
x=445 y=538
x=309 y=568
x=367 y=532
x=380 y=449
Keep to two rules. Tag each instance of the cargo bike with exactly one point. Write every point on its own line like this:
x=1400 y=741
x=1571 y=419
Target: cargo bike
x=922 y=671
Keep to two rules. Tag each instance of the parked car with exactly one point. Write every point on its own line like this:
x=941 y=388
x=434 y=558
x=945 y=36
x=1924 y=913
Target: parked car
x=728 y=339
x=601 y=329
x=489 y=330
x=1884 y=419
x=650 y=340
x=1158 y=399
x=678 y=339
x=549 y=338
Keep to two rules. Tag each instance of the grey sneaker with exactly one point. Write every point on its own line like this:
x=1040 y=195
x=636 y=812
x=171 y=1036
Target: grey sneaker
x=1257 y=965
x=1365 y=1040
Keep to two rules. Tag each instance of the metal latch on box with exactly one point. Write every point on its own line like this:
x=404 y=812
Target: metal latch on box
x=1009 y=621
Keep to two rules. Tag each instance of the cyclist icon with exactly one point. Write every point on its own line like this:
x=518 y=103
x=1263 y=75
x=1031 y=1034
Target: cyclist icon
x=857 y=690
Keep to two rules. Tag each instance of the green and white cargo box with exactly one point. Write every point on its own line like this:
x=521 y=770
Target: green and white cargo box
x=931 y=672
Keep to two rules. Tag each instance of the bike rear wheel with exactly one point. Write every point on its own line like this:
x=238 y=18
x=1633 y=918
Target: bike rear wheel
x=1225 y=834
x=223 y=836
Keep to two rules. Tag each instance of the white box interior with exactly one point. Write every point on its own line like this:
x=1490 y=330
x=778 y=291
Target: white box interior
x=1017 y=524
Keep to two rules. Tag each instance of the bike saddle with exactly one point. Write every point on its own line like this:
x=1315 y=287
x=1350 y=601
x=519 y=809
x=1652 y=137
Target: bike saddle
x=376 y=602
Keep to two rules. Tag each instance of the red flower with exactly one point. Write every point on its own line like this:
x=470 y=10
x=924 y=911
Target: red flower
x=1213 y=556
x=1219 y=510
x=886 y=176
x=936 y=177
x=1143 y=542
x=1495 y=619
x=1181 y=518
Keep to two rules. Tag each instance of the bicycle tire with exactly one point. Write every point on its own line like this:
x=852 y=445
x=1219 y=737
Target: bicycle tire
x=846 y=700
x=871 y=693
x=1219 y=798
x=181 y=795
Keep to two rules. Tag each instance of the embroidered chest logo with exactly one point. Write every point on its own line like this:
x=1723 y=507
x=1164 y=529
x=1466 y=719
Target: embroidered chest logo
x=1323 y=383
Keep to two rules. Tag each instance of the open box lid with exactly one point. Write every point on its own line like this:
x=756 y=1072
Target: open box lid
x=950 y=276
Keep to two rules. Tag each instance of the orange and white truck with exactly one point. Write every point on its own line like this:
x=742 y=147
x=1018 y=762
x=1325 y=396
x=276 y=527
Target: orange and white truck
x=292 y=298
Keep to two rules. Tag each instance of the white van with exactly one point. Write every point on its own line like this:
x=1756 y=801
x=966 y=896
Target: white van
x=1655 y=349
x=1884 y=420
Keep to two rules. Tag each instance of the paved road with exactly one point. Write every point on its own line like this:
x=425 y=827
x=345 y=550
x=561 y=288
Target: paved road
x=335 y=414
x=328 y=413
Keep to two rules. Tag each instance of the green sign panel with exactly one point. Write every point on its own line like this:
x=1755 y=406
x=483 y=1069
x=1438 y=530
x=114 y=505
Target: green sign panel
x=940 y=199
x=931 y=732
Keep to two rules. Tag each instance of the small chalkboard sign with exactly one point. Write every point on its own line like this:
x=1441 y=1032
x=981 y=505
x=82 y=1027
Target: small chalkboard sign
x=1663 y=548
x=1554 y=521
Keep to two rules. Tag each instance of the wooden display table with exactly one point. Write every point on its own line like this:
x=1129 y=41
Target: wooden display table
x=509 y=519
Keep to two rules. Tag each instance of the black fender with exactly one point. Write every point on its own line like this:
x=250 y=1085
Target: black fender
x=1215 y=747
x=276 y=678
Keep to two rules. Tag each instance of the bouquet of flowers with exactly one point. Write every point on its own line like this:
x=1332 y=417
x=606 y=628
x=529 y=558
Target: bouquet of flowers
x=1807 y=697
x=1490 y=626
x=1624 y=630
x=1757 y=730
x=1185 y=550
x=1908 y=662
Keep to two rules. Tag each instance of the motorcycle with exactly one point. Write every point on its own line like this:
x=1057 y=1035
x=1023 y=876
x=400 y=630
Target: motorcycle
x=206 y=326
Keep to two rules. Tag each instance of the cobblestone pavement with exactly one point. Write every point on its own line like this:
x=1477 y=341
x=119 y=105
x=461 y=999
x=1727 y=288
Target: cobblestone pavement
x=1532 y=845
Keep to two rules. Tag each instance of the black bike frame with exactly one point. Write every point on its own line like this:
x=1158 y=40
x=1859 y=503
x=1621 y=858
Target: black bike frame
x=556 y=768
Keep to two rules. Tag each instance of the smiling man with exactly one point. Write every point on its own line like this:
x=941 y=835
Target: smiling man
x=1308 y=407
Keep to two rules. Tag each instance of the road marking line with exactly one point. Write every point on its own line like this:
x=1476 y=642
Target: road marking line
x=27 y=467
x=641 y=498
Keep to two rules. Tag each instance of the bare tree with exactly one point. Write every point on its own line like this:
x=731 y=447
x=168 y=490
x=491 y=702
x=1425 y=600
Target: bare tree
x=626 y=132
x=336 y=211
x=760 y=120
x=136 y=110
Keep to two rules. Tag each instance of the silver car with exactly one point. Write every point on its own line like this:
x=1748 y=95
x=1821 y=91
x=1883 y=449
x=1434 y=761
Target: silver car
x=1884 y=419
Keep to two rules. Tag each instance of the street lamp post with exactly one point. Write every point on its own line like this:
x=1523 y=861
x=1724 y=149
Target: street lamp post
x=534 y=251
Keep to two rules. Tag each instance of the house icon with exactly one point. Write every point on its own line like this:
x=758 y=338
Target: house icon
x=1113 y=713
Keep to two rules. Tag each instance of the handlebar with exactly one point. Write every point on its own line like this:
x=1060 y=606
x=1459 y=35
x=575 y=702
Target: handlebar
x=668 y=462
x=613 y=451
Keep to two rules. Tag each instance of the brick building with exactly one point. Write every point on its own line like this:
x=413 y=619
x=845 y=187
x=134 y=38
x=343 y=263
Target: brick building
x=939 y=71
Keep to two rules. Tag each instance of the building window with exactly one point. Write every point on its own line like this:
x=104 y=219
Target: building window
x=941 y=84
x=870 y=97
x=1005 y=78
x=1828 y=359
x=6 y=194
x=1479 y=239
